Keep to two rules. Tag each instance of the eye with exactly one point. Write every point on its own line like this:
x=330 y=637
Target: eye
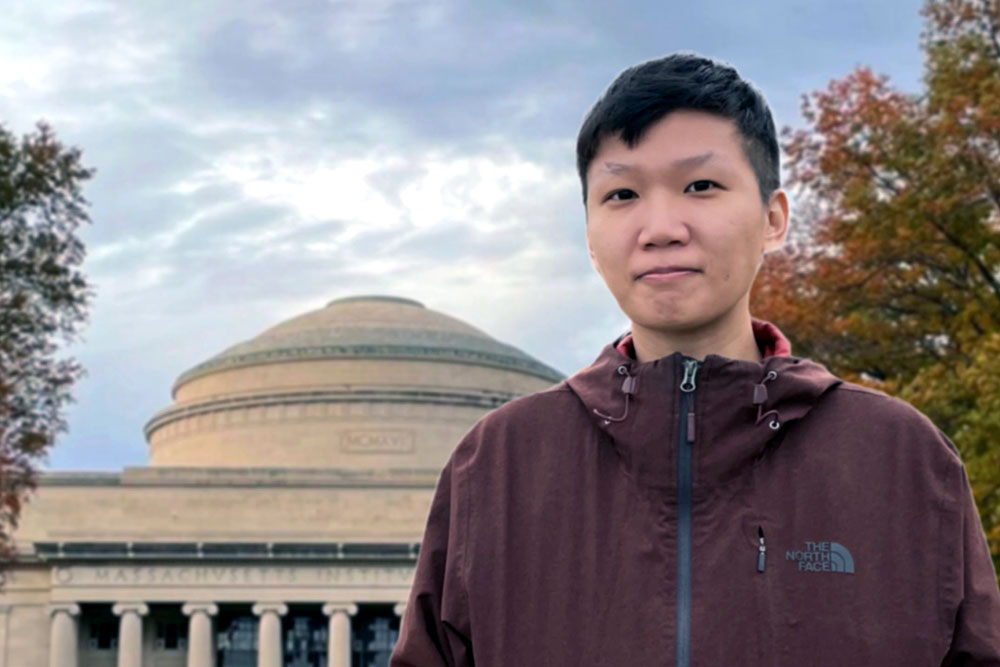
x=701 y=186
x=623 y=194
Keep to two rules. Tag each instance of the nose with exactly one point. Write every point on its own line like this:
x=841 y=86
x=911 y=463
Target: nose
x=662 y=223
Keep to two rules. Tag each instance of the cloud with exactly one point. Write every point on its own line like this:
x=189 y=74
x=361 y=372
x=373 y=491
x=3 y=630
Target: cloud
x=257 y=159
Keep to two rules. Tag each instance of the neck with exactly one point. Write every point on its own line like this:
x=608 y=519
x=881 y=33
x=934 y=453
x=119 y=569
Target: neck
x=730 y=336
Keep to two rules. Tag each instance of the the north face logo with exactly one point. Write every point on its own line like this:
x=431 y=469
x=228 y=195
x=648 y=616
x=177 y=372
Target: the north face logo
x=823 y=557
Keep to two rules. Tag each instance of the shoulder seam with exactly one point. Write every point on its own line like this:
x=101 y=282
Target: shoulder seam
x=949 y=443
x=857 y=389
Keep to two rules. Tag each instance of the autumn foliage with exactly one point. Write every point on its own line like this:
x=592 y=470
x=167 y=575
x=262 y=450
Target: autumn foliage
x=43 y=301
x=893 y=276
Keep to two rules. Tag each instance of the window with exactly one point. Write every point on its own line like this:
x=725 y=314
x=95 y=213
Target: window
x=305 y=638
x=375 y=629
x=171 y=636
x=102 y=634
x=237 y=641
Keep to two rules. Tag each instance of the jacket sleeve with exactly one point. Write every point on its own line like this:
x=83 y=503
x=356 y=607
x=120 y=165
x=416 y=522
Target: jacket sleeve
x=976 y=637
x=435 y=629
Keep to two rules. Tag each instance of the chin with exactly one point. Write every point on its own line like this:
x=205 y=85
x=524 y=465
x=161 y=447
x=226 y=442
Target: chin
x=671 y=323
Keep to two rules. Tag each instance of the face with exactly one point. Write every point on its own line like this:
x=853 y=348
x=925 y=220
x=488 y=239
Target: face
x=676 y=226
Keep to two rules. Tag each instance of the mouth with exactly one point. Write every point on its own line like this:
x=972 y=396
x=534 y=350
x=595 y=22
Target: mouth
x=666 y=274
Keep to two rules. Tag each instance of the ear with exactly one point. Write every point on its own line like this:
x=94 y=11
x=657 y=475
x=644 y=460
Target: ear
x=776 y=221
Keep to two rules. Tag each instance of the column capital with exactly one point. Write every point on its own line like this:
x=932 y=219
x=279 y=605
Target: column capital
x=399 y=609
x=122 y=608
x=71 y=608
x=331 y=608
x=209 y=608
x=261 y=608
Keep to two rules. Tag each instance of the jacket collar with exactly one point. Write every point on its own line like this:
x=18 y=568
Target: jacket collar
x=740 y=406
x=770 y=340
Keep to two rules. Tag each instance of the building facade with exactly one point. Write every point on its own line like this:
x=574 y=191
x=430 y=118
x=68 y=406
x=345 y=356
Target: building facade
x=279 y=519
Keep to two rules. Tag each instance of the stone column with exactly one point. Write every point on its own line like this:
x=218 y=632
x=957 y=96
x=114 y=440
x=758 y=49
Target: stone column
x=130 y=632
x=5 y=629
x=338 y=647
x=200 y=650
x=269 y=645
x=63 y=635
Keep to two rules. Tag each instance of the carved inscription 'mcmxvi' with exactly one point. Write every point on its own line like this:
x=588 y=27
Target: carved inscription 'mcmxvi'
x=378 y=442
x=210 y=575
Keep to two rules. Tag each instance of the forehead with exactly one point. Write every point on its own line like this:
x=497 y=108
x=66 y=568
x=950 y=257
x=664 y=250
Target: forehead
x=674 y=138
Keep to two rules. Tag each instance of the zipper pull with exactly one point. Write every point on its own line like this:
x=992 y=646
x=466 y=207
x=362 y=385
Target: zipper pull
x=761 y=550
x=687 y=386
x=690 y=369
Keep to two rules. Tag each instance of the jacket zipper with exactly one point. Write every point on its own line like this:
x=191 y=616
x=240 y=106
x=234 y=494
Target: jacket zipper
x=761 y=549
x=684 y=485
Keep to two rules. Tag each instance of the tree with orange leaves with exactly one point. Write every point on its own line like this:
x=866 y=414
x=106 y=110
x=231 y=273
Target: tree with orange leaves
x=893 y=279
x=43 y=301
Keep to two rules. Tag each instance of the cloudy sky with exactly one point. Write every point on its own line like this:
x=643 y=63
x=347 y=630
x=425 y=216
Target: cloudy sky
x=257 y=159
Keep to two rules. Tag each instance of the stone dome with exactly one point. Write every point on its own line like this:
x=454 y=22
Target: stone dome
x=367 y=382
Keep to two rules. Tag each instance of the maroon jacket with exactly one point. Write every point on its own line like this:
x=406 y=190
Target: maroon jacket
x=720 y=512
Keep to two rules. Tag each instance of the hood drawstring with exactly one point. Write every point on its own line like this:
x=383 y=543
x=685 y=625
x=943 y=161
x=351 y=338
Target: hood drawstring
x=628 y=388
x=760 y=397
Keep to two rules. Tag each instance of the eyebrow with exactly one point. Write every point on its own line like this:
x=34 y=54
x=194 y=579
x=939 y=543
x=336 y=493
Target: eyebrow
x=681 y=163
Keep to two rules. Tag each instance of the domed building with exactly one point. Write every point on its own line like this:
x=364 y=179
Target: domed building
x=279 y=520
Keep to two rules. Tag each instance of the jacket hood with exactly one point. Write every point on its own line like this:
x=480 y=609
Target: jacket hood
x=740 y=407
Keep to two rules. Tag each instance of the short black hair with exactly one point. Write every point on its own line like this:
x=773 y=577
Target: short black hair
x=644 y=93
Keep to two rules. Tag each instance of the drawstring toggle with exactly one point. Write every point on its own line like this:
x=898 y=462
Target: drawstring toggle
x=760 y=397
x=628 y=388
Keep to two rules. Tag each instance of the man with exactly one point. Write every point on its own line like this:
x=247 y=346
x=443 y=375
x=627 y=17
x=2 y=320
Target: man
x=698 y=496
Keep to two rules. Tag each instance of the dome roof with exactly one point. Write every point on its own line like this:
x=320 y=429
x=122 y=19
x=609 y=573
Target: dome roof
x=366 y=383
x=373 y=327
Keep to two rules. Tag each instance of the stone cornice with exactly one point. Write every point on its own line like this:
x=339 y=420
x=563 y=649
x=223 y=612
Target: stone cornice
x=485 y=400
x=519 y=363
x=299 y=478
x=66 y=551
x=72 y=478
